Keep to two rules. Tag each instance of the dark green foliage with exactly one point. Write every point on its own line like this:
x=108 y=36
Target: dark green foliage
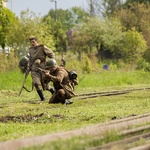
x=7 y=21
x=143 y=65
x=137 y=1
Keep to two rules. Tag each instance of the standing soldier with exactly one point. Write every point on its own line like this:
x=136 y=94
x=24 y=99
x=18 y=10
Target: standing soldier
x=63 y=82
x=37 y=59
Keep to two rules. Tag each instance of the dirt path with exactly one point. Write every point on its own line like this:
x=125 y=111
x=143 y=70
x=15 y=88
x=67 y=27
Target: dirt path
x=99 y=129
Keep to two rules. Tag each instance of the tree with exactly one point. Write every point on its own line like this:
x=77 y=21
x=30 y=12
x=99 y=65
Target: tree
x=66 y=20
x=78 y=15
x=128 y=2
x=136 y=16
x=80 y=40
x=100 y=34
x=69 y=17
x=104 y=8
x=112 y=36
x=8 y=19
x=133 y=46
x=30 y=24
x=111 y=6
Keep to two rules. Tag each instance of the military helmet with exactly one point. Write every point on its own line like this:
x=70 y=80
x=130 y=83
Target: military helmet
x=73 y=74
x=51 y=63
x=23 y=64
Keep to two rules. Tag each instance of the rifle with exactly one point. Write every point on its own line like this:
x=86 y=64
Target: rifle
x=44 y=81
x=26 y=75
x=43 y=70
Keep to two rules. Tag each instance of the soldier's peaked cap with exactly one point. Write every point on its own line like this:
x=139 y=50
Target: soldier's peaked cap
x=33 y=38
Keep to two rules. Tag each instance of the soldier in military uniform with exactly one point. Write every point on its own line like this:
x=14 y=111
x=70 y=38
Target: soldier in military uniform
x=37 y=58
x=63 y=84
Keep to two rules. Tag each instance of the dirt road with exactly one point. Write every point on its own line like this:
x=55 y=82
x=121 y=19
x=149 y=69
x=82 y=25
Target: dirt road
x=99 y=129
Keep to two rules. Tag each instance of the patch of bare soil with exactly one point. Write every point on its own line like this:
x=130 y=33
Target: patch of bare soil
x=8 y=93
x=99 y=129
x=27 y=118
x=15 y=119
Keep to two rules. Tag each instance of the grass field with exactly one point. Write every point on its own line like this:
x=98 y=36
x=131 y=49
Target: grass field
x=26 y=116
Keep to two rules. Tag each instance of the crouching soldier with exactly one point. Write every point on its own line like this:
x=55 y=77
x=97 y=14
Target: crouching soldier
x=63 y=84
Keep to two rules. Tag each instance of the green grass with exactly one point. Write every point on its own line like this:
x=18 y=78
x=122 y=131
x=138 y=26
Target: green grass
x=94 y=81
x=57 y=117
x=25 y=116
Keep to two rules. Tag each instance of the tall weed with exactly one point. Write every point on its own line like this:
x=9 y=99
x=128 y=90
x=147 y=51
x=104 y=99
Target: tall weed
x=8 y=62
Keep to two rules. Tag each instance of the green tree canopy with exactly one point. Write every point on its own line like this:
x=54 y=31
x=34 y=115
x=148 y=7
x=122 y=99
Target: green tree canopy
x=136 y=16
x=66 y=20
x=128 y=2
x=8 y=20
x=95 y=33
x=133 y=46
x=30 y=24
x=104 y=8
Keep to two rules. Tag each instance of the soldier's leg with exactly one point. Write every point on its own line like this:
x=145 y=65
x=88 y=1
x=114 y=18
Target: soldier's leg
x=61 y=95
x=36 y=79
x=52 y=90
x=41 y=95
x=54 y=98
x=49 y=88
x=58 y=97
x=39 y=91
x=68 y=97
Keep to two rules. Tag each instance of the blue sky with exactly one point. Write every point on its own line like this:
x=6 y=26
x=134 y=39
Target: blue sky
x=42 y=7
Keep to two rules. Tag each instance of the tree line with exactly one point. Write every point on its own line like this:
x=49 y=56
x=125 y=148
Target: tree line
x=108 y=29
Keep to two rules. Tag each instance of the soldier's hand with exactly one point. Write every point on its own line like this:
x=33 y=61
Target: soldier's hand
x=28 y=70
x=47 y=73
x=37 y=61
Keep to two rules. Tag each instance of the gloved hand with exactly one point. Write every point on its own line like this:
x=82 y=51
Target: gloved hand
x=37 y=61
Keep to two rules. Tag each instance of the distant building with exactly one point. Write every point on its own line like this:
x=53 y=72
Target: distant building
x=7 y=50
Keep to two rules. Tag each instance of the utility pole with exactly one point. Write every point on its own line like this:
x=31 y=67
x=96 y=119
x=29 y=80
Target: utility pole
x=55 y=8
x=55 y=21
x=91 y=8
x=11 y=5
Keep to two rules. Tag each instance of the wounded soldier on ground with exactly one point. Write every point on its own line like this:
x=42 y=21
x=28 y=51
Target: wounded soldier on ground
x=63 y=82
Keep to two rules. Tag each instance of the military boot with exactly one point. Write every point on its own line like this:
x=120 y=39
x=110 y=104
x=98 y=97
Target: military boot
x=67 y=102
x=52 y=90
x=40 y=93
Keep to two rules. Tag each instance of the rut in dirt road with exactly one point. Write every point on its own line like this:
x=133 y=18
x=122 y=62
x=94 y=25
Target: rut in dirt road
x=99 y=129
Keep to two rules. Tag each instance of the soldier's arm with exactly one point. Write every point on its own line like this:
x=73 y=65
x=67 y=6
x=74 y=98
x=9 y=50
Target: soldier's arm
x=57 y=78
x=49 y=53
x=75 y=81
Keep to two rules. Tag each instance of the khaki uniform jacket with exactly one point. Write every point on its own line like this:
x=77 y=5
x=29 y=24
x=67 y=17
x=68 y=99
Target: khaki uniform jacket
x=60 y=79
x=39 y=52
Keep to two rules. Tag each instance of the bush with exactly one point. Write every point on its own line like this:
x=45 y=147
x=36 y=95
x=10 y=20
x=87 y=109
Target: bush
x=143 y=65
x=8 y=62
